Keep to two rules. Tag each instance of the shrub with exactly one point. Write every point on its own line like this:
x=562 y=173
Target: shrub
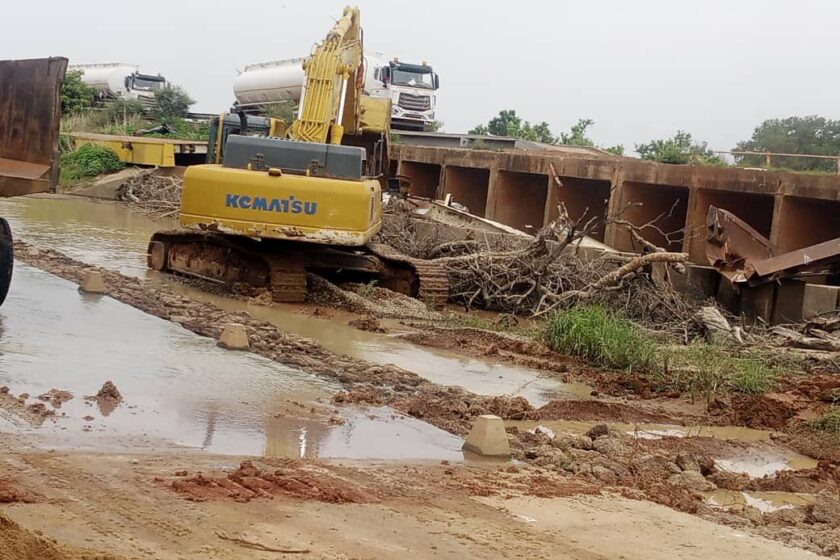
x=119 y=110
x=599 y=336
x=75 y=94
x=88 y=161
x=171 y=102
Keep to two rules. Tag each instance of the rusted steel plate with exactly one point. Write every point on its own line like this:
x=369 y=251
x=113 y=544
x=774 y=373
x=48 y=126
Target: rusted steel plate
x=823 y=257
x=732 y=244
x=30 y=113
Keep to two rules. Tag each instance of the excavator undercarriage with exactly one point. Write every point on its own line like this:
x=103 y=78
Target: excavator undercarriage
x=281 y=266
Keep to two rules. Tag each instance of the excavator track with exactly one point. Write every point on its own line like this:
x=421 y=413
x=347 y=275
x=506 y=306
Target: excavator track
x=432 y=277
x=231 y=260
x=282 y=266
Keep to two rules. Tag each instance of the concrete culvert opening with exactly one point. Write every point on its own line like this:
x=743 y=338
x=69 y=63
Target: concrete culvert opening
x=468 y=186
x=665 y=205
x=520 y=200
x=424 y=177
x=755 y=209
x=806 y=221
x=583 y=198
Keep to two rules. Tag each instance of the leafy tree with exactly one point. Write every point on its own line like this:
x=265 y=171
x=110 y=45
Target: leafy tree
x=171 y=102
x=75 y=94
x=679 y=149
x=577 y=136
x=794 y=135
x=508 y=123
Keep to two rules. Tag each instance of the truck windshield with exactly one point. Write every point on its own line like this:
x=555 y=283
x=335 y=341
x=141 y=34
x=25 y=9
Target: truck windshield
x=152 y=83
x=412 y=78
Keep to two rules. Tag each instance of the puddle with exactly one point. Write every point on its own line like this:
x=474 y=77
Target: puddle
x=179 y=389
x=109 y=235
x=760 y=462
x=379 y=433
x=765 y=502
x=439 y=366
x=649 y=431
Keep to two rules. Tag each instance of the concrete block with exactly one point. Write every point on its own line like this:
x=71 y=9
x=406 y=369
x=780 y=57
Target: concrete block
x=234 y=337
x=789 y=297
x=703 y=279
x=488 y=437
x=757 y=301
x=728 y=296
x=798 y=301
x=819 y=299
x=92 y=282
x=107 y=186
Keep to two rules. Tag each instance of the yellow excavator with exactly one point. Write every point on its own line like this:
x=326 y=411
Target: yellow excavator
x=266 y=209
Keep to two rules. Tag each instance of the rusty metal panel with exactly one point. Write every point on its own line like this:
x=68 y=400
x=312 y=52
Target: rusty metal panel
x=822 y=257
x=731 y=244
x=30 y=113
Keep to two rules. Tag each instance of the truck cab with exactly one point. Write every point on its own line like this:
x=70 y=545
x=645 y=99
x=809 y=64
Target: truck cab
x=411 y=88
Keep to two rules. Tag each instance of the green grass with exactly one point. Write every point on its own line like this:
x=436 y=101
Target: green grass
x=601 y=337
x=707 y=369
x=829 y=422
x=87 y=162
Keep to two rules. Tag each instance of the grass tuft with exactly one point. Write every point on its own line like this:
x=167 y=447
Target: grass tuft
x=601 y=337
x=707 y=369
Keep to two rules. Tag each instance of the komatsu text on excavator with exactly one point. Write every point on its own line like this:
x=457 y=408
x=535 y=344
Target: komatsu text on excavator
x=266 y=209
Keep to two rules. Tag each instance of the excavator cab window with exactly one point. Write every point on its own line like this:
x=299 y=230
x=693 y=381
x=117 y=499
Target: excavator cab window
x=232 y=125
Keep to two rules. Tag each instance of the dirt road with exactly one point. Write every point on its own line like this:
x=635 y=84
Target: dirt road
x=115 y=504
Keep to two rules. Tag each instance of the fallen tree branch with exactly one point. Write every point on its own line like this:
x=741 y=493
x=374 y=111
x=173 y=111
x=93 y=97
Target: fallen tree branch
x=635 y=264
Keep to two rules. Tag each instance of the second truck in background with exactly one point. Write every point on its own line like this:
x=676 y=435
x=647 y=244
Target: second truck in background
x=117 y=80
x=411 y=87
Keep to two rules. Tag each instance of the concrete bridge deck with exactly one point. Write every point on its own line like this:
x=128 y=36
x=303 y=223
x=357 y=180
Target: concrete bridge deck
x=794 y=210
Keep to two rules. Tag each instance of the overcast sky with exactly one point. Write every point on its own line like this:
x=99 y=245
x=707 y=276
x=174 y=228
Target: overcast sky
x=641 y=69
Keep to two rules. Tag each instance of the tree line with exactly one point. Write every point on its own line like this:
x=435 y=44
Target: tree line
x=812 y=135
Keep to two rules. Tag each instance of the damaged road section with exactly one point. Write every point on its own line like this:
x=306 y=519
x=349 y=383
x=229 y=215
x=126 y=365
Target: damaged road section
x=449 y=408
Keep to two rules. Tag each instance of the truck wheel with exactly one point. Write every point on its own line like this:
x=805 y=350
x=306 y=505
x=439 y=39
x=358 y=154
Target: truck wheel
x=7 y=258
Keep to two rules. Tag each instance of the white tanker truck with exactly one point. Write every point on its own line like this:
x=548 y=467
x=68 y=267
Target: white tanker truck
x=411 y=88
x=120 y=81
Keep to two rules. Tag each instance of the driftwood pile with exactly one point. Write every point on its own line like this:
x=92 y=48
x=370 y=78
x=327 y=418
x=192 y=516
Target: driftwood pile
x=151 y=193
x=536 y=276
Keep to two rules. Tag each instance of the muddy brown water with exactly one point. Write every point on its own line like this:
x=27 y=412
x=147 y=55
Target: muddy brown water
x=112 y=236
x=179 y=389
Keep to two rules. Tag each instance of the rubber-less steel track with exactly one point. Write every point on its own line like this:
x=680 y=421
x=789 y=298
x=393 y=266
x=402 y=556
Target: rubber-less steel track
x=282 y=266
x=432 y=277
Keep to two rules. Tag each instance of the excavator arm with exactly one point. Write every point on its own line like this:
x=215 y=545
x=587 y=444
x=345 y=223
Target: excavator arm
x=331 y=71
